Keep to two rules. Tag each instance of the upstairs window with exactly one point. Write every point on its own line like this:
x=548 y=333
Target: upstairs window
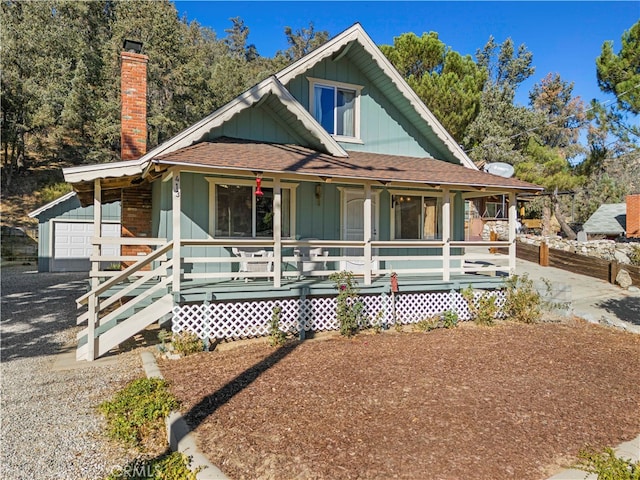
x=336 y=107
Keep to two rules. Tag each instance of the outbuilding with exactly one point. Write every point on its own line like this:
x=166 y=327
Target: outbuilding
x=65 y=230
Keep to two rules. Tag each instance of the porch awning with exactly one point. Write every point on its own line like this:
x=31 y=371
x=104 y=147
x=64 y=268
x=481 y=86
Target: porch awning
x=251 y=156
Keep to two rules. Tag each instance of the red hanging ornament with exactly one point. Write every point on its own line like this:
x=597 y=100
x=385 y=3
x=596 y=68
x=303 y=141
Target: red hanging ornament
x=259 y=192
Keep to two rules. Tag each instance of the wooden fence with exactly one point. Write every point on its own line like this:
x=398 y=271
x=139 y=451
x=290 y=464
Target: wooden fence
x=574 y=262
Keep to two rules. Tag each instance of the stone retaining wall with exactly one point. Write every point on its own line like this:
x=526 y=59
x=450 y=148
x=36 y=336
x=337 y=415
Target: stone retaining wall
x=604 y=249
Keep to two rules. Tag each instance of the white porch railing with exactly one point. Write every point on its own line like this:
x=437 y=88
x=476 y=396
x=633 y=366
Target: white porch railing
x=321 y=258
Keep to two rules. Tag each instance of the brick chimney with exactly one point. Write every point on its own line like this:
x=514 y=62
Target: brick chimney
x=136 y=199
x=133 y=117
x=633 y=215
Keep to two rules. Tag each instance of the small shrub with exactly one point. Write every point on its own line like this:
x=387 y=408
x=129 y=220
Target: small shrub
x=607 y=465
x=54 y=191
x=427 y=324
x=634 y=256
x=450 y=319
x=174 y=466
x=138 y=410
x=522 y=302
x=483 y=309
x=377 y=324
x=276 y=336
x=187 y=343
x=349 y=310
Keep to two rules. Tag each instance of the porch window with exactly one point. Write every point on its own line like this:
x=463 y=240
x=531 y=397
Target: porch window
x=336 y=107
x=239 y=213
x=417 y=217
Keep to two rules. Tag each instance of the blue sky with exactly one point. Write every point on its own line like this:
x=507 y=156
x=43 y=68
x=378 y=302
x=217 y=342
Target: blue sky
x=564 y=37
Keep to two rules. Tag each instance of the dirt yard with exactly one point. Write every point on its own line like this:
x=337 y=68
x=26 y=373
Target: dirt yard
x=511 y=401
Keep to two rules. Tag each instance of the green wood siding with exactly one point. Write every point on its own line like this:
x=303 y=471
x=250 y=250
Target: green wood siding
x=253 y=124
x=383 y=129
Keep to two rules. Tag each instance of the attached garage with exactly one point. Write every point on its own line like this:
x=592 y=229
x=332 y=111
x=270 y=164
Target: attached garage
x=65 y=229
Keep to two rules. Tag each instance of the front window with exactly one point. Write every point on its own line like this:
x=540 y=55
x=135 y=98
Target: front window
x=240 y=213
x=417 y=217
x=335 y=107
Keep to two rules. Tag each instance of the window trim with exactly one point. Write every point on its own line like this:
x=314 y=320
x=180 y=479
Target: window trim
x=411 y=193
x=242 y=182
x=346 y=86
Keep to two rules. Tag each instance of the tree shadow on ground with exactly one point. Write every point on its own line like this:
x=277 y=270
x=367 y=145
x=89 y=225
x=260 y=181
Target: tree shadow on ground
x=36 y=309
x=209 y=404
x=626 y=309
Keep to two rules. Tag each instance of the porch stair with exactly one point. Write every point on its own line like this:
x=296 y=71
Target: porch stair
x=113 y=333
x=125 y=304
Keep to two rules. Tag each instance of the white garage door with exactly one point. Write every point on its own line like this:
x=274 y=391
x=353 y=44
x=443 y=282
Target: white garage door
x=72 y=245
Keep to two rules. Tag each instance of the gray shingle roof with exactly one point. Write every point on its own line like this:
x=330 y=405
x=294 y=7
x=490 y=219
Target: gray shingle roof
x=609 y=219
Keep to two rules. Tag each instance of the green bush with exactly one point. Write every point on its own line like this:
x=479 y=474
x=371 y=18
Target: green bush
x=54 y=191
x=174 y=466
x=427 y=324
x=607 y=465
x=187 y=343
x=634 y=256
x=277 y=337
x=522 y=302
x=450 y=319
x=483 y=309
x=349 y=310
x=138 y=410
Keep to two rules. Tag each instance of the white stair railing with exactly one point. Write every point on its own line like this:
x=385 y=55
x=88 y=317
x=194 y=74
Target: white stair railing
x=96 y=307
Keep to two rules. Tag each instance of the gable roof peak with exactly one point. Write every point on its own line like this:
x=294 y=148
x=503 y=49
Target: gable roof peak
x=356 y=33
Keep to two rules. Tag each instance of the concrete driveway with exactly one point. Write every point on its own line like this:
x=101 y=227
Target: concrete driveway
x=592 y=299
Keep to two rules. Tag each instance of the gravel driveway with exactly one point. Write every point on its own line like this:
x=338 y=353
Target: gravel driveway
x=49 y=425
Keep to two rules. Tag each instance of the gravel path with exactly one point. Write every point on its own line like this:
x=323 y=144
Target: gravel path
x=49 y=425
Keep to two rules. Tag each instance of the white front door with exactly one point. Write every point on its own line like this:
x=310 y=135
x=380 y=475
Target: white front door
x=353 y=226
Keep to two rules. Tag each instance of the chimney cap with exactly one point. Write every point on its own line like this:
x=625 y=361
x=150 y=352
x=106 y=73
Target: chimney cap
x=132 y=46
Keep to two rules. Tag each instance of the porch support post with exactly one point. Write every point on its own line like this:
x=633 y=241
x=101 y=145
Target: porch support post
x=176 y=206
x=513 y=212
x=277 y=232
x=97 y=228
x=368 y=227
x=446 y=234
x=94 y=300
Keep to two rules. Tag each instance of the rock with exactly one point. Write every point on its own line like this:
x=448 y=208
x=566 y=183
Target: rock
x=624 y=279
x=621 y=257
x=633 y=289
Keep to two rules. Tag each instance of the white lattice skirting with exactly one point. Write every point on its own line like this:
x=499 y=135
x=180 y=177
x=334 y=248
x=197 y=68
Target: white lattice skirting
x=241 y=319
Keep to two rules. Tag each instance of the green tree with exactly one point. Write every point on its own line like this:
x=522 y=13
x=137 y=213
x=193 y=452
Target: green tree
x=46 y=53
x=301 y=42
x=448 y=83
x=500 y=132
x=620 y=73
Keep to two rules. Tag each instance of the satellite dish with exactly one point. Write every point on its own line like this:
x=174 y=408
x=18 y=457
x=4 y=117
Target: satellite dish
x=499 y=168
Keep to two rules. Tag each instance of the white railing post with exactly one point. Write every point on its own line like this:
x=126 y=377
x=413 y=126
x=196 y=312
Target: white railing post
x=277 y=232
x=368 y=227
x=176 y=207
x=513 y=212
x=93 y=310
x=446 y=235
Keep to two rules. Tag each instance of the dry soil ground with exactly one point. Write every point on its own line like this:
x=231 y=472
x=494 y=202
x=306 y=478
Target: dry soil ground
x=511 y=401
